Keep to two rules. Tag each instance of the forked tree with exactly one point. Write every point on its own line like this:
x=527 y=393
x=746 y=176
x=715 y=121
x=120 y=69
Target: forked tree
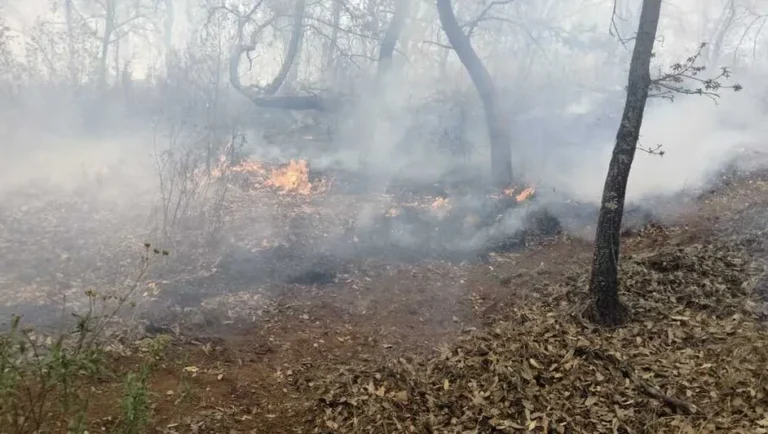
x=607 y=308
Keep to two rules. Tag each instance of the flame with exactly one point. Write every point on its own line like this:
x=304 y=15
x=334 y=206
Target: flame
x=392 y=212
x=249 y=167
x=525 y=194
x=439 y=203
x=293 y=177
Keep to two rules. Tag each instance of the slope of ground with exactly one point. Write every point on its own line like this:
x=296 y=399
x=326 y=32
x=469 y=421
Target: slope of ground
x=486 y=347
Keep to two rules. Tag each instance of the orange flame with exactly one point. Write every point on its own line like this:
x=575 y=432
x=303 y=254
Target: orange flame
x=440 y=202
x=249 y=167
x=392 y=212
x=293 y=177
x=525 y=194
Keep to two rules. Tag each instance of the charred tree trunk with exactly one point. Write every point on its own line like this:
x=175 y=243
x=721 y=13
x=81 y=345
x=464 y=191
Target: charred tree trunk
x=607 y=309
x=498 y=133
x=391 y=36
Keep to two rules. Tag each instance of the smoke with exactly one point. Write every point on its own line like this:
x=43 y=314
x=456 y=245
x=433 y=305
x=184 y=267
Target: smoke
x=698 y=137
x=420 y=133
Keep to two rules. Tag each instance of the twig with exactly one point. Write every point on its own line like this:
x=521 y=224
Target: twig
x=652 y=151
x=670 y=83
x=673 y=403
x=615 y=28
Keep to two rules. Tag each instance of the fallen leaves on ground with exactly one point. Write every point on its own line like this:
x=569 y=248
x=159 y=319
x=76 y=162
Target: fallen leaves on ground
x=692 y=360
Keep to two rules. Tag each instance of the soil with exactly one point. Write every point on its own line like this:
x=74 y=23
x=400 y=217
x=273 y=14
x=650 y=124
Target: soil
x=249 y=375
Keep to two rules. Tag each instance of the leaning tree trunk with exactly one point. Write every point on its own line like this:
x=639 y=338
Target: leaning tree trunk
x=607 y=309
x=501 y=154
x=294 y=45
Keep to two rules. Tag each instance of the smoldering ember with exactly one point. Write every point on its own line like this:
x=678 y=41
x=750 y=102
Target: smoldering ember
x=282 y=216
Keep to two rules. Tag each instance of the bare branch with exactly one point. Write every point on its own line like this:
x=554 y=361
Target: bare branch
x=673 y=82
x=472 y=25
x=652 y=151
x=265 y=96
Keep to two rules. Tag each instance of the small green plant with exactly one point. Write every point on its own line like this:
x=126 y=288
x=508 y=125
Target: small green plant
x=135 y=404
x=46 y=384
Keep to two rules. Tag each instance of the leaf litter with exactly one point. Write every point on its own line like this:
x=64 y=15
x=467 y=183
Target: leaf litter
x=692 y=360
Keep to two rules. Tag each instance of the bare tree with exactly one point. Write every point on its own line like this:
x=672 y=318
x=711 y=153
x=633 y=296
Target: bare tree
x=498 y=133
x=265 y=96
x=607 y=308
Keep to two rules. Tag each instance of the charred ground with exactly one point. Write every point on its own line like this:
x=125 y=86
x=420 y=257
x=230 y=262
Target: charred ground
x=313 y=332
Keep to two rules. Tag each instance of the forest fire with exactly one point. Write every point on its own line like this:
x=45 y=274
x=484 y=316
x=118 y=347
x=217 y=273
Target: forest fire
x=288 y=178
x=293 y=177
x=440 y=203
x=249 y=167
x=525 y=194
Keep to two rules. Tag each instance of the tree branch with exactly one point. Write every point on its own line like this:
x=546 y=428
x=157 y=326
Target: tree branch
x=672 y=82
x=265 y=97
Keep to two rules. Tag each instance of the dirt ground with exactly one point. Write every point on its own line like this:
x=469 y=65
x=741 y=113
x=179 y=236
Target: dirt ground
x=219 y=375
x=246 y=377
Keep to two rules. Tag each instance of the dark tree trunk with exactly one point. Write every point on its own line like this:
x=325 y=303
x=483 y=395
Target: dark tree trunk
x=293 y=48
x=498 y=133
x=109 y=27
x=391 y=36
x=607 y=309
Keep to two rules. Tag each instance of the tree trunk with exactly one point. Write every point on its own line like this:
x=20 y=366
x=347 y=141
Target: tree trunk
x=330 y=48
x=293 y=48
x=109 y=27
x=168 y=22
x=71 y=65
x=391 y=36
x=498 y=133
x=607 y=309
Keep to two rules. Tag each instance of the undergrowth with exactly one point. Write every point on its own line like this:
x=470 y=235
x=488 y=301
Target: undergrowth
x=47 y=383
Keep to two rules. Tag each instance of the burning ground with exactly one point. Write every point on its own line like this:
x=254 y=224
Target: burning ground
x=410 y=310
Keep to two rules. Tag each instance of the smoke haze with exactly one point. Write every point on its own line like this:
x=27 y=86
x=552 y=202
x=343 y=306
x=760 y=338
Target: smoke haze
x=168 y=108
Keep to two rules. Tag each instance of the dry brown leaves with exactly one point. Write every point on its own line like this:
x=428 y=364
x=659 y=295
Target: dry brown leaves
x=691 y=361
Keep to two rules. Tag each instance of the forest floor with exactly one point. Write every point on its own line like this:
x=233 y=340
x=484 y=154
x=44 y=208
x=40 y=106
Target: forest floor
x=493 y=346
